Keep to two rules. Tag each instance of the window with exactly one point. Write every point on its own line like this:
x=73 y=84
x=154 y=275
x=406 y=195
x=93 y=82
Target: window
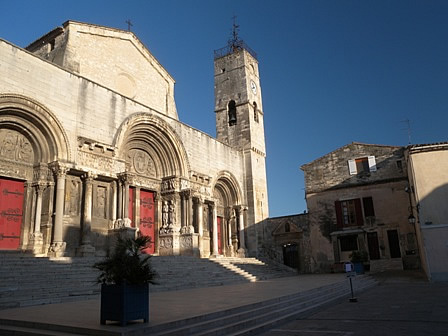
x=367 y=203
x=287 y=227
x=400 y=166
x=348 y=243
x=349 y=213
x=255 y=112
x=362 y=165
x=232 y=113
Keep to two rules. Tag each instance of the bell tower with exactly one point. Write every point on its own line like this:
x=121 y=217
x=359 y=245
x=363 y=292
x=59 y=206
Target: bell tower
x=239 y=123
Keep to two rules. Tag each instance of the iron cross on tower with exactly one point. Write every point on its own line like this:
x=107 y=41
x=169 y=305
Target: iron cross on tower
x=128 y=21
x=233 y=42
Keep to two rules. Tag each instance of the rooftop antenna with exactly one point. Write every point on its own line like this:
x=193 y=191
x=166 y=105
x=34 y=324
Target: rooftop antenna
x=129 y=23
x=408 y=128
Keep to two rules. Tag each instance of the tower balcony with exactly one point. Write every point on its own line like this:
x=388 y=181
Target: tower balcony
x=233 y=47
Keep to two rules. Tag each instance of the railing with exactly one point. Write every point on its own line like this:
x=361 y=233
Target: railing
x=233 y=47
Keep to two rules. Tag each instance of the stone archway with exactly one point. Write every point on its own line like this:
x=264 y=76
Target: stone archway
x=156 y=166
x=31 y=138
x=229 y=219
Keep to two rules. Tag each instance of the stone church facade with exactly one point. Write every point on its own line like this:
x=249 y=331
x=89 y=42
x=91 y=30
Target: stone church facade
x=91 y=144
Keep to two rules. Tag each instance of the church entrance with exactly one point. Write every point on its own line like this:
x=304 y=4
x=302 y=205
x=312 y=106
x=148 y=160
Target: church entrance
x=11 y=211
x=147 y=218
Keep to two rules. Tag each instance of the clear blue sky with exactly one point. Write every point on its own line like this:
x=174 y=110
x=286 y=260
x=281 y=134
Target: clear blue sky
x=332 y=72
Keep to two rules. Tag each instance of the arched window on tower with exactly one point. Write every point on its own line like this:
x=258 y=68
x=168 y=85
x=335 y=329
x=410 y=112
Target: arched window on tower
x=255 y=111
x=232 y=113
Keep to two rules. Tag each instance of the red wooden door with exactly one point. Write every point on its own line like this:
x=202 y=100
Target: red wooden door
x=11 y=211
x=131 y=205
x=147 y=212
x=219 y=235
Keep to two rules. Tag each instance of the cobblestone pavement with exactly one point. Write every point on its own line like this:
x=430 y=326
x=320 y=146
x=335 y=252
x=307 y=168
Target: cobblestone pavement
x=400 y=305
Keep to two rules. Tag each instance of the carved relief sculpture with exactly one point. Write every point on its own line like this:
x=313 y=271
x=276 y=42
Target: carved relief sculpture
x=140 y=162
x=164 y=228
x=72 y=198
x=171 y=216
x=14 y=146
x=100 y=209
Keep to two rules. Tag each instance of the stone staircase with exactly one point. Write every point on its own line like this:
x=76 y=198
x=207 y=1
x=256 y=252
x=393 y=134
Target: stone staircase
x=182 y=272
x=28 y=281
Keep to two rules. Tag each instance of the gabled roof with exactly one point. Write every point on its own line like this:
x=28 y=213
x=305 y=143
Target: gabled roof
x=345 y=146
x=130 y=35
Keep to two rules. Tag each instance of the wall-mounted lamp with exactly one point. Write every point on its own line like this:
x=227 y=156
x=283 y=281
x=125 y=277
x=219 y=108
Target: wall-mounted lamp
x=411 y=219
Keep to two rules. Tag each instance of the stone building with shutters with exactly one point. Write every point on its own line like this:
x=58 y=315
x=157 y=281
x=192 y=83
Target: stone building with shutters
x=358 y=199
x=91 y=144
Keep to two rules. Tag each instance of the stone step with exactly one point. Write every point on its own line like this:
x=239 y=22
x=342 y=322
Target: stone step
x=258 y=316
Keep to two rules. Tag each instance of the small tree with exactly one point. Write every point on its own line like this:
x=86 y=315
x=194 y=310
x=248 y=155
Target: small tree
x=127 y=264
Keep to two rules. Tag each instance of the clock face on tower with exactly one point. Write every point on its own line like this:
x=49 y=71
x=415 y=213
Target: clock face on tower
x=253 y=87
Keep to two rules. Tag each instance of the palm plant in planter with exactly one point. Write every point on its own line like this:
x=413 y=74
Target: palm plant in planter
x=125 y=276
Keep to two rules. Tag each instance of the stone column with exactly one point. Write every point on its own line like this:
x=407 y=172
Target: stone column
x=119 y=199
x=215 y=251
x=86 y=247
x=57 y=247
x=157 y=220
x=200 y=217
x=183 y=217
x=242 y=249
x=198 y=203
x=127 y=222
x=137 y=208
x=114 y=202
x=229 y=226
x=125 y=199
x=187 y=213
x=39 y=191
x=36 y=238
x=190 y=213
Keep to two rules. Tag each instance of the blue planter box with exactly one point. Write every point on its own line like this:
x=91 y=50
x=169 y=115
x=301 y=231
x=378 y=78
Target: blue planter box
x=124 y=303
x=358 y=268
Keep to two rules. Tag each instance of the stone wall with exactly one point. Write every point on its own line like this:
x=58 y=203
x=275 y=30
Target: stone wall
x=113 y=58
x=81 y=106
x=331 y=171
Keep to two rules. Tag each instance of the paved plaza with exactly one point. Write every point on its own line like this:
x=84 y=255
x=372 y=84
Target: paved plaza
x=402 y=304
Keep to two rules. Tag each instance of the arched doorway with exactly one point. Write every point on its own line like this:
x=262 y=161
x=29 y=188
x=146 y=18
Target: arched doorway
x=31 y=137
x=226 y=193
x=156 y=165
